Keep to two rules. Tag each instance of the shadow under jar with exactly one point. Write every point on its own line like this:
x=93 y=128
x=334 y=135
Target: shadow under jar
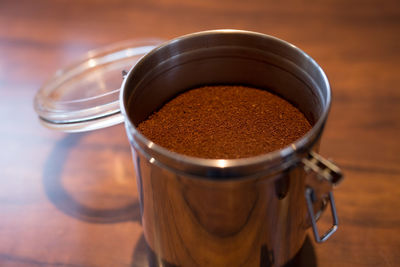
x=230 y=212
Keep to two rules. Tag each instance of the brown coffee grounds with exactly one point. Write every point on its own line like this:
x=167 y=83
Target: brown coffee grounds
x=225 y=122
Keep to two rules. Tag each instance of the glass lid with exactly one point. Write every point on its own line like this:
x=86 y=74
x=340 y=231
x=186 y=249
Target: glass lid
x=85 y=95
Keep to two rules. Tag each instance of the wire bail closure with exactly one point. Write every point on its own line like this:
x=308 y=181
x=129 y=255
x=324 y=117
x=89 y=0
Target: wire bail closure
x=323 y=177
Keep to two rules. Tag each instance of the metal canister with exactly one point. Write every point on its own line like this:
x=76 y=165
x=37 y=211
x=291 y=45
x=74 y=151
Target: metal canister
x=230 y=212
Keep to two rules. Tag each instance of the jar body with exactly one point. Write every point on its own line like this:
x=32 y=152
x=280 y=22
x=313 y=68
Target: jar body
x=193 y=221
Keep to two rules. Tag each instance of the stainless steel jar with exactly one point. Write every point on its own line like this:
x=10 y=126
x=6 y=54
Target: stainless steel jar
x=236 y=212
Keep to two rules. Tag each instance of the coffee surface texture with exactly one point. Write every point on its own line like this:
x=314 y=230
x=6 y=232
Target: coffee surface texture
x=225 y=122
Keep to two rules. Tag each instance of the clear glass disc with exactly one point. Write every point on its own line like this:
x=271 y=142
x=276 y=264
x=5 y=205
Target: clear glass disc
x=85 y=95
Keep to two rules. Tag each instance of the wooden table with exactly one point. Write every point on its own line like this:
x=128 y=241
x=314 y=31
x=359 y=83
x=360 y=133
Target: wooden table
x=71 y=199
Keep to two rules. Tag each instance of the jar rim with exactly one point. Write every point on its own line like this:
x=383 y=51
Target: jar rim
x=229 y=168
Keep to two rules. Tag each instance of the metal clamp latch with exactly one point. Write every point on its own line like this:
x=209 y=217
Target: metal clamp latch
x=323 y=176
x=124 y=74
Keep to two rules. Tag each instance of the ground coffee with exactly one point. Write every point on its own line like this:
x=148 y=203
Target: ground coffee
x=225 y=122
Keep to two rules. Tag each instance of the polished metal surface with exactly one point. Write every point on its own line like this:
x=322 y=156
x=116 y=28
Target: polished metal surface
x=244 y=212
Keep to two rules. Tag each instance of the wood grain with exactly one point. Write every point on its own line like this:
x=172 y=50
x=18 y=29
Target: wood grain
x=71 y=200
